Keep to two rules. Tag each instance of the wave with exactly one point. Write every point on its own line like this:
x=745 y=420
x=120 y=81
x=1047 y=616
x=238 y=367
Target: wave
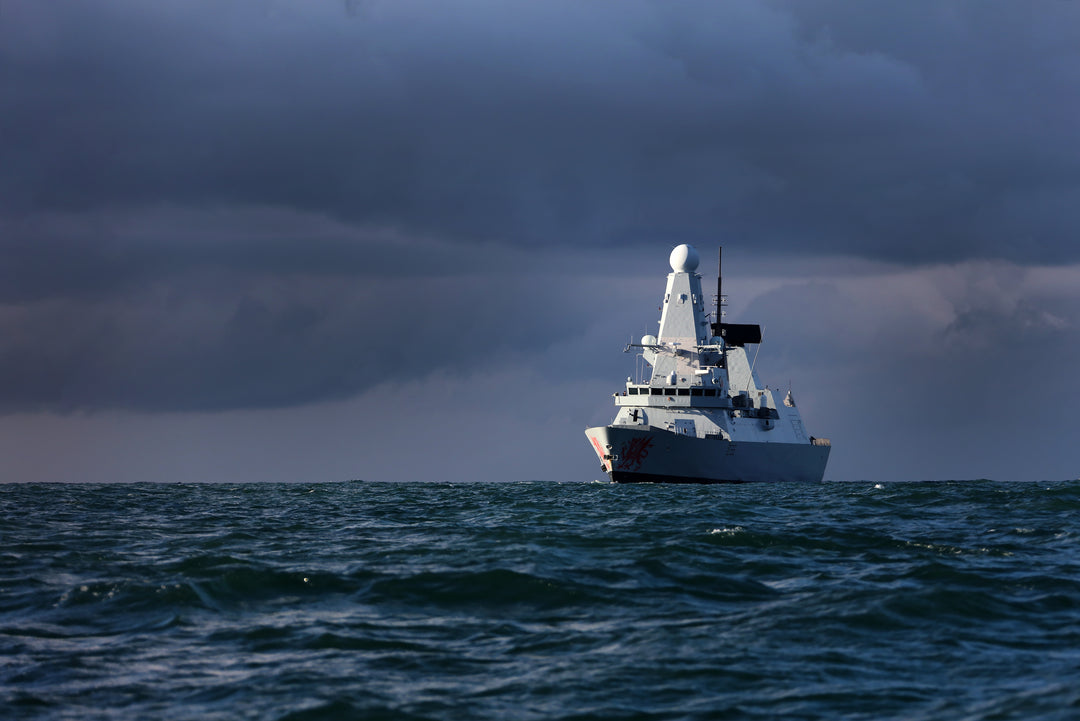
x=539 y=600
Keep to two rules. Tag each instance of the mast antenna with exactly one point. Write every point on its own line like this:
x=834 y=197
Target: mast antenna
x=719 y=288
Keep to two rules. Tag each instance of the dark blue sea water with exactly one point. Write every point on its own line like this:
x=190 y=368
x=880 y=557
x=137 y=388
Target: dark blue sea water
x=540 y=601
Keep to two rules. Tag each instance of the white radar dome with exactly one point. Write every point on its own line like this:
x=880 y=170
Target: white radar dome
x=684 y=259
x=648 y=340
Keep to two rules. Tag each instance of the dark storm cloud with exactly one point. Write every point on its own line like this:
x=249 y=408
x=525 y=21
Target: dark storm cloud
x=907 y=131
x=200 y=202
x=269 y=342
x=109 y=253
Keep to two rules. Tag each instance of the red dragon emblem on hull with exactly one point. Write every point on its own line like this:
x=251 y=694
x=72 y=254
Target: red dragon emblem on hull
x=633 y=452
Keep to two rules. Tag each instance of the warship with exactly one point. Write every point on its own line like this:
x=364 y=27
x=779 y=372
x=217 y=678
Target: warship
x=698 y=413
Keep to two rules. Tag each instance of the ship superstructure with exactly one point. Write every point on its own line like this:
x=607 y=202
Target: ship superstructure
x=702 y=415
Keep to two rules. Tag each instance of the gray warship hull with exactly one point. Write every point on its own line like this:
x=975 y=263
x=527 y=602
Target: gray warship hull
x=630 y=454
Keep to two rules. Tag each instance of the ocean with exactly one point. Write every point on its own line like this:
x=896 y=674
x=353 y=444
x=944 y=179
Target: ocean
x=540 y=600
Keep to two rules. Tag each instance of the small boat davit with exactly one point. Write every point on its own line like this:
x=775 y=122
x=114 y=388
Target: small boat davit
x=703 y=415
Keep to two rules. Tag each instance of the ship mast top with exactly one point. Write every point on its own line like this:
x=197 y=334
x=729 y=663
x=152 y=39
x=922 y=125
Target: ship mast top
x=719 y=286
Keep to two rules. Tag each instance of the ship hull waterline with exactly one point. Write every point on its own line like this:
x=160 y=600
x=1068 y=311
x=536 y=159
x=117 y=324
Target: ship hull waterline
x=642 y=454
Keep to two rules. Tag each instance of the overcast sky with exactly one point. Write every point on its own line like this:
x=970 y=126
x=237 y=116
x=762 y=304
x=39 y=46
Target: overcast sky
x=407 y=239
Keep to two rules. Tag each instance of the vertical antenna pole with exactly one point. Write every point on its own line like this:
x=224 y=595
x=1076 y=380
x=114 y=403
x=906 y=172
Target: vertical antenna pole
x=719 y=287
x=720 y=308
